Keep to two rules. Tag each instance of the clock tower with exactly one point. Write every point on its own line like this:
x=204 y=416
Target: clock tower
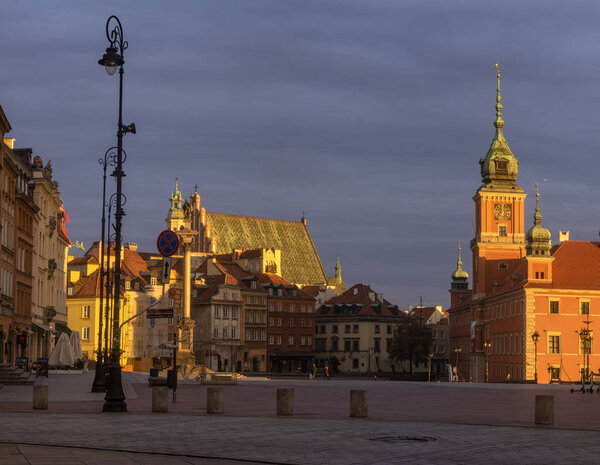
x=499 y=242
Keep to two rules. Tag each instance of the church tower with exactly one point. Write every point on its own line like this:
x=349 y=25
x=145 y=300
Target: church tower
x=175 y=217
x=499 y=241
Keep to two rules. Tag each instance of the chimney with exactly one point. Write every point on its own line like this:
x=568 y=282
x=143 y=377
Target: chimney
x=563 y=236
x=131 y=246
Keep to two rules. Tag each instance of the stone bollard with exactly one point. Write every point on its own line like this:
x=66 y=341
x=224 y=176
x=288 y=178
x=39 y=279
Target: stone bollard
x=214 y=400
x=160 y=399
x=40 y=396
x=285 y=401
x=544 y=410
x=358 y=404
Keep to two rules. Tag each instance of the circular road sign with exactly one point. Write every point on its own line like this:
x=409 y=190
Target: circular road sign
x=167 y=243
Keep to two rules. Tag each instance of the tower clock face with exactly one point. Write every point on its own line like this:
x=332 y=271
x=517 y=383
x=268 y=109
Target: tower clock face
x=502 y=211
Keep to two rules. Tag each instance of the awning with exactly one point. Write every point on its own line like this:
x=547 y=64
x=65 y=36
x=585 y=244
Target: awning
x=44 y=327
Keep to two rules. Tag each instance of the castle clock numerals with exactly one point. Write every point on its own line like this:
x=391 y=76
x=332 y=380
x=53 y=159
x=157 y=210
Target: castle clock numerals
x=502 y=211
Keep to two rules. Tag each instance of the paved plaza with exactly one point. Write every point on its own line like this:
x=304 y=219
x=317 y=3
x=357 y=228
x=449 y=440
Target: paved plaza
x=408 y=423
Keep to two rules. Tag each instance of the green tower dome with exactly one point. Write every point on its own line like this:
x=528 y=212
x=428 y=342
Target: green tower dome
x=538 y=237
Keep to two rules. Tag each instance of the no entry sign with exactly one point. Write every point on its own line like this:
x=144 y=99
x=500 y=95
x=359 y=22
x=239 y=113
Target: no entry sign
x=167 y=243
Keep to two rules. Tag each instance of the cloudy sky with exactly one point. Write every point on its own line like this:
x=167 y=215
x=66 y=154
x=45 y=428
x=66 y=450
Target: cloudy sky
x=369 y=116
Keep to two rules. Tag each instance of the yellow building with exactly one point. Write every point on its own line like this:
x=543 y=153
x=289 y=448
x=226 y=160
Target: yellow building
x=83 y=299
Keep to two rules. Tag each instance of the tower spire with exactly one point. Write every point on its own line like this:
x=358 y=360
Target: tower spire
x=499 y=123
x=338 y=269
x=537 y=217
x=538 y=237
x=460 y=276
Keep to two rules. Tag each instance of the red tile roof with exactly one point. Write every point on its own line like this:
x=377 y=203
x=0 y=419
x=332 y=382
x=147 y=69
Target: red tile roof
x=576 y=265
x=424 y=313
x=362 y=296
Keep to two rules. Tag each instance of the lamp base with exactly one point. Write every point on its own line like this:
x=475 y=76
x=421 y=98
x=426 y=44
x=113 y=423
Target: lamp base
x=99 y=384
x=114 y=401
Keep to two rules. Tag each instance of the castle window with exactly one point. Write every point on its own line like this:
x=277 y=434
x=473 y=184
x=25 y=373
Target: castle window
x=502 y=230
x=502 y=266
x=554 y=307
x=584 y=308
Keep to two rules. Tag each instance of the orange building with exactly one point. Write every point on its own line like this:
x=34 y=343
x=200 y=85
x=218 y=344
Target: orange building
x=526 y=317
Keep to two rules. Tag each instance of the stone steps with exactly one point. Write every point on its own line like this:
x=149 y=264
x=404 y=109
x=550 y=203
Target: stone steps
x=13 y=375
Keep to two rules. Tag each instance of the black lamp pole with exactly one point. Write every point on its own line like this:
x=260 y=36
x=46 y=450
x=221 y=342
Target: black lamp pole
x=114 y=401
x=99 y=384
x=535 y=337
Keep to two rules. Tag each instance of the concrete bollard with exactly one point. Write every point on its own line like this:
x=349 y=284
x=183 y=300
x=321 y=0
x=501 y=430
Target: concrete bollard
x=358 y=404
x=544 y=410
x=285 y=401
x=214 y=400
x=40 y=396
x=160 y=399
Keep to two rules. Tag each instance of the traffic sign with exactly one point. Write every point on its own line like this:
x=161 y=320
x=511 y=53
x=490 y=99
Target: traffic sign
x=159 y=313
x=167 y=243
x=165 y=274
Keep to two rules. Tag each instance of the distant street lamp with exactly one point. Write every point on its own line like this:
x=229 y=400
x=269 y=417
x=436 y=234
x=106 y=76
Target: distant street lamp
x=457 y=350
x=486 y=346
x=430 y=357
x=535 y=338
x=114 y=401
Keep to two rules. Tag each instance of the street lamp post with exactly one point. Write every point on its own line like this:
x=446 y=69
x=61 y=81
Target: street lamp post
x=99 y=384
x=535 y=337
x=114 y=401
x=430 y=357
x=486 y=346
x=457 y=350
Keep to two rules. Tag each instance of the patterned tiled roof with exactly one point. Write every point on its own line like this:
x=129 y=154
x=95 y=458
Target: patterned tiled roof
x=300 y=262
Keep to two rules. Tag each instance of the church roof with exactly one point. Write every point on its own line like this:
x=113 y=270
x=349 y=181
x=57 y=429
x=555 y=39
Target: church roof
x=300 y=262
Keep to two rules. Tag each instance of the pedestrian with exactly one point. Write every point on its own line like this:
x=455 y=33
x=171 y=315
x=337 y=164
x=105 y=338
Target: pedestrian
x=314 y=371
x=327 y=372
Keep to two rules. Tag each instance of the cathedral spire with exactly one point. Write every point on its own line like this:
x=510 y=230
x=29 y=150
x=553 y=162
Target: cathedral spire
x=176 y=210
x=338 y=269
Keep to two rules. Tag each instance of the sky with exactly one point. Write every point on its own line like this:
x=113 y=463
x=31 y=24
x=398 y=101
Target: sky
x=368 y=116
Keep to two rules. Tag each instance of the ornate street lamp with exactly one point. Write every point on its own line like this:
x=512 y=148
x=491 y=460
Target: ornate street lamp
x=535 y=337
x=114 y=401
x=486 y=346
x=99 y=384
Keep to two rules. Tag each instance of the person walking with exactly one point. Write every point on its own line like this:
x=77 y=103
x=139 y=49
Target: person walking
x=327 y=372
x=314 y=371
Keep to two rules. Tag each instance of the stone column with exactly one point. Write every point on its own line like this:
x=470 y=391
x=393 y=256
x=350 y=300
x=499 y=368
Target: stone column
x=186 y=237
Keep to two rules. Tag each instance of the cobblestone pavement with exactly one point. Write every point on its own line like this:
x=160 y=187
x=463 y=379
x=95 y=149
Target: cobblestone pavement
x=303 y=441
x=19 y=454
x=426 y=423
